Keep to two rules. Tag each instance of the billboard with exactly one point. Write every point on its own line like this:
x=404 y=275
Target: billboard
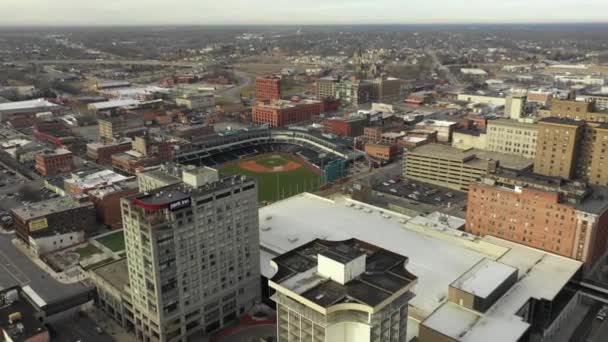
x=38 y=224
x=180 y=204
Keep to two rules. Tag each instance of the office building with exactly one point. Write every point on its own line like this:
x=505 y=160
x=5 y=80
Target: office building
x=386 y=89
x=106 y=200
x=281 y=113
x=341 y=292
x=449 y=264
x=50 y=163
x=455 y=169
x=196 y=101
x=512 y=137
x=372 y=134
x=557 y=147
x=268 y=88
x=353 y=126
x=192 y=255
x=350 y=91
x=563 y=217
x=111 y=126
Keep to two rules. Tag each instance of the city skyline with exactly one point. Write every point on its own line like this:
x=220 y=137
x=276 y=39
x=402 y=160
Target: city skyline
x=267 y=12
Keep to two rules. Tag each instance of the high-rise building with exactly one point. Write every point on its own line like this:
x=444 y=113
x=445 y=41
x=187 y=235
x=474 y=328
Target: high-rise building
x=193 y=255
x=512 y=137
x=341 y=292
x=557 y=147
x=562 y=217
x=268 y=88
x=282 y=113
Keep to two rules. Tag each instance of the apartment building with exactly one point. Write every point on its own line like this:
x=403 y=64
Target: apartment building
x=453 y=168
x=192 y=255
x=512 y=137
x=563 y=217
x=341 y=291
x=268 y=88
x=352 y=91
x=557 y=145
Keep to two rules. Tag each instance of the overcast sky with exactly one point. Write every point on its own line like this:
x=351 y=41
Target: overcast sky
x=201 y=12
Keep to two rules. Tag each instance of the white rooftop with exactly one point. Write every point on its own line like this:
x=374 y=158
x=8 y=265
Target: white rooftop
x=97 y=179
x=484 y=278
x=30 y=104
x=436 y=257
x=114 y=104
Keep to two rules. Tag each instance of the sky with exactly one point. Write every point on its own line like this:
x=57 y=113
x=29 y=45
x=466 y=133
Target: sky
x=297 y=12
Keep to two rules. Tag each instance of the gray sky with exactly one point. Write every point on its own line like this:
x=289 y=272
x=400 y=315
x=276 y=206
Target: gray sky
x=201 y=12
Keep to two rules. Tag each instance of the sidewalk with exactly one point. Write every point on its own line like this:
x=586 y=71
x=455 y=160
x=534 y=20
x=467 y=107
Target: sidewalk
x=108 y=325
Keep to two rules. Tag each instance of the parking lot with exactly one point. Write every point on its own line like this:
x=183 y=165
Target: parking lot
x=420 y=192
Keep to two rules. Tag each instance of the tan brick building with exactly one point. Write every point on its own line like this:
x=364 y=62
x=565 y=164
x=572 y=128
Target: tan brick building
x=557 y=146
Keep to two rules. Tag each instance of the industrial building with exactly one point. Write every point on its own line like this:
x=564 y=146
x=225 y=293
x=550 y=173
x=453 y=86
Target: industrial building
x=281 y=113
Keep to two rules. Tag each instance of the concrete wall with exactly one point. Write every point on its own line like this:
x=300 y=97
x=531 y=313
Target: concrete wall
x=43 y=245
x=465 y=141
x=348 y=332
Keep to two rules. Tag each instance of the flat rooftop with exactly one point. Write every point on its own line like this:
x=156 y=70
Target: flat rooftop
x=473 y=157
x=50 y=206
x=24 y=105
x=512 y=123
x=115 y=273
x=484 y=278
x=436 y=257
x=29 y=324
x=384 y=274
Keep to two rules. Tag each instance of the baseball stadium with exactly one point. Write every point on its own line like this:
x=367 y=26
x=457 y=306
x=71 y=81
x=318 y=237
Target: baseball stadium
x=284 y=162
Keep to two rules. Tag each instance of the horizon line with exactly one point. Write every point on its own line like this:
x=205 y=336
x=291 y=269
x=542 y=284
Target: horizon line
x=102 y=25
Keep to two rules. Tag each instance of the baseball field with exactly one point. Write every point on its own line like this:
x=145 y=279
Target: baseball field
x=278 y=175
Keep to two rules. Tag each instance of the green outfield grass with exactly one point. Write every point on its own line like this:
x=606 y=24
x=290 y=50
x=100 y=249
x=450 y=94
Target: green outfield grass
x=278 y=185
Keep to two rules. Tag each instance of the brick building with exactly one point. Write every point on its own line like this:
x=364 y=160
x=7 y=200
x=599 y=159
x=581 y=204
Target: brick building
x=101 y=153
x=44 y=223
x=51 y=163
x=107 y=202
x=268 y=88
x=562 y=217
x=382 y=152
x=347 y=127
x=372 y=134
x=282 y=113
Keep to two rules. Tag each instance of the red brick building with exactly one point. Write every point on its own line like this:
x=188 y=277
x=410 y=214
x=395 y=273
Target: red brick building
x=102 y=153
x=50 y=163
x=283 y=113
x=558 y=216
x=382 y=152
x=268 y=88
x=107 y=202
x=346 y=127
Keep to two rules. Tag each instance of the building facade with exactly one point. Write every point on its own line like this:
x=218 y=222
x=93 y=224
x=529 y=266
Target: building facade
x=557 y=146
x=512 y=137
x=338 y=293
x=453 y=168
x=193 y=255
x=50 y=163
x=283 y=113
x=562 y=217
x=267 y=88
x=346 y=127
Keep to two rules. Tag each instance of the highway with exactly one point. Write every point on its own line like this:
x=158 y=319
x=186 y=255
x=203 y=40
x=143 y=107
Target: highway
x=437 y=65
